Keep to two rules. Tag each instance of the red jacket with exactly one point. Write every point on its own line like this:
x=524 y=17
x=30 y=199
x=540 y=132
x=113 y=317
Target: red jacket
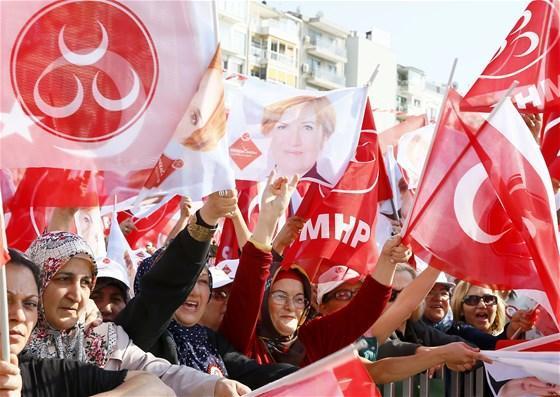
x=320 y=336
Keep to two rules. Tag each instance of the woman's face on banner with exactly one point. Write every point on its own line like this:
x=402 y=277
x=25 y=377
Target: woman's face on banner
x=201 y=108
x=296 y=140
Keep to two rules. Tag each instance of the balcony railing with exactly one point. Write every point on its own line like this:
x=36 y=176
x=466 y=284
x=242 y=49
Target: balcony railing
x=327 y=46
x=259 y=54
x=325 y=74
x=286 y=60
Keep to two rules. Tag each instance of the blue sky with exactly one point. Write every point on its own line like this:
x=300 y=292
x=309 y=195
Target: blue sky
x=427 y=34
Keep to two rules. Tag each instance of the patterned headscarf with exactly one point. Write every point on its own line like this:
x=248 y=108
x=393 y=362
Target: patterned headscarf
x=194 y=348
x=51 y=252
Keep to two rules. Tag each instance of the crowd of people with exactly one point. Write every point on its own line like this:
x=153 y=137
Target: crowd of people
x=178 y=326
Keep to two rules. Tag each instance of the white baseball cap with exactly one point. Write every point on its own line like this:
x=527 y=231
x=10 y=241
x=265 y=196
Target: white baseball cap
x=229 y=267
x=332 y=278
x=219 y=277
x=442 y=279
x=108 y=268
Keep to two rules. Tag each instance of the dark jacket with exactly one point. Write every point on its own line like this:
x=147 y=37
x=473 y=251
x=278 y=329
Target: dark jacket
x=163 y=289
x=421 y=333
x=475 y=336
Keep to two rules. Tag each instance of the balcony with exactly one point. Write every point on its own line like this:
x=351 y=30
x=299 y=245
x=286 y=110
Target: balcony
x=325 y=49
x=282 y=29
x=326 y=79
x=258 y=56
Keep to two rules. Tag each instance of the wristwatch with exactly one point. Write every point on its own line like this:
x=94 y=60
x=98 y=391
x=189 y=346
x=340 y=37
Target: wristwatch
x=200 y=230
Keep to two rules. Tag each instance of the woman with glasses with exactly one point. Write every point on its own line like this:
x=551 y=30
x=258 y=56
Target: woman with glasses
x=480 y=316
x=268 y=307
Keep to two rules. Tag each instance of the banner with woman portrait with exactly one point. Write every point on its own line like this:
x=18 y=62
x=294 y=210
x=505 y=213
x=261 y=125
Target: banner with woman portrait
x=310 y=133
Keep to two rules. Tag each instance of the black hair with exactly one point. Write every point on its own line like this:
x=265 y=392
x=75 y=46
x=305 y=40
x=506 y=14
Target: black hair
x=18 y=258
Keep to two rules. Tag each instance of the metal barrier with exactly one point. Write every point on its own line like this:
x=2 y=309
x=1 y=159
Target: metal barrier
x=455 y=384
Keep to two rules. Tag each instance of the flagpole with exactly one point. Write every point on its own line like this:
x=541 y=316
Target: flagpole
x=373 y=75
x=393 y=179
x=438 y=122
x=215 y=22
x=4 y=333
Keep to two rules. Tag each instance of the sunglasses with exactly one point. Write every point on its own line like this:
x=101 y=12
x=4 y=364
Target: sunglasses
x=394 y=294
x=474 y=300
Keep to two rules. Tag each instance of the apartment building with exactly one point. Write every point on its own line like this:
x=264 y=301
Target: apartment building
x=324 y=56
x=233 y=20
x=416 y=94
x=365 y=52
x=314 y=53
x=275 y=44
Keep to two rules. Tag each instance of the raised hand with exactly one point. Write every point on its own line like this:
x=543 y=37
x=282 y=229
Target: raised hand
x=185 y=207
x=522 y=321
x=218 y=205
x=394 y=251
x=289 y=232
x=277 y=194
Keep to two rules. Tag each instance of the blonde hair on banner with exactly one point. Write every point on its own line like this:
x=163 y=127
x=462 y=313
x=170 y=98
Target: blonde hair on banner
x=207 y=137
x=461 y=290
x=322 y=106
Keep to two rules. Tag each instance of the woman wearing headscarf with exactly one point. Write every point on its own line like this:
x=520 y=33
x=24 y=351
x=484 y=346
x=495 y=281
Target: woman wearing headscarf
x=44 y=377
x=266 y=312
x=202 y=348
x=68 y=273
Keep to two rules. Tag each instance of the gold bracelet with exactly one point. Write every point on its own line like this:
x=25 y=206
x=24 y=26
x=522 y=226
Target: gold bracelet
x=198 y=232
x=260 y=246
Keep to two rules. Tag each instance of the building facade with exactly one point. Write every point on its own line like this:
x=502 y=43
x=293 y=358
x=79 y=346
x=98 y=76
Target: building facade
x=316 y=54
x=364 y=54
x=417 y=95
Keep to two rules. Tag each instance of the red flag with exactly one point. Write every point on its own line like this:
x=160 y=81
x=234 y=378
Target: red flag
x=518 y=173
x=74 y=188
x=341 y=374
x=340 y=221
x=79 y=80
x=25 y=225
x=248 y=203
x=458 y=216
x=529 y=54
x=153 y=228
x=550 y=146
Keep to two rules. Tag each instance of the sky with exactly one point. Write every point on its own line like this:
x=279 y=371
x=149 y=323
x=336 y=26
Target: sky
x=427 y=34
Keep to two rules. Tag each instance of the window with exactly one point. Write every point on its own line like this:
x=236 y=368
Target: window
x=417 y=103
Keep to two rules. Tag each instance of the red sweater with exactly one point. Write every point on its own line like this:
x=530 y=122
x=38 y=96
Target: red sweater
x=320 y=336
